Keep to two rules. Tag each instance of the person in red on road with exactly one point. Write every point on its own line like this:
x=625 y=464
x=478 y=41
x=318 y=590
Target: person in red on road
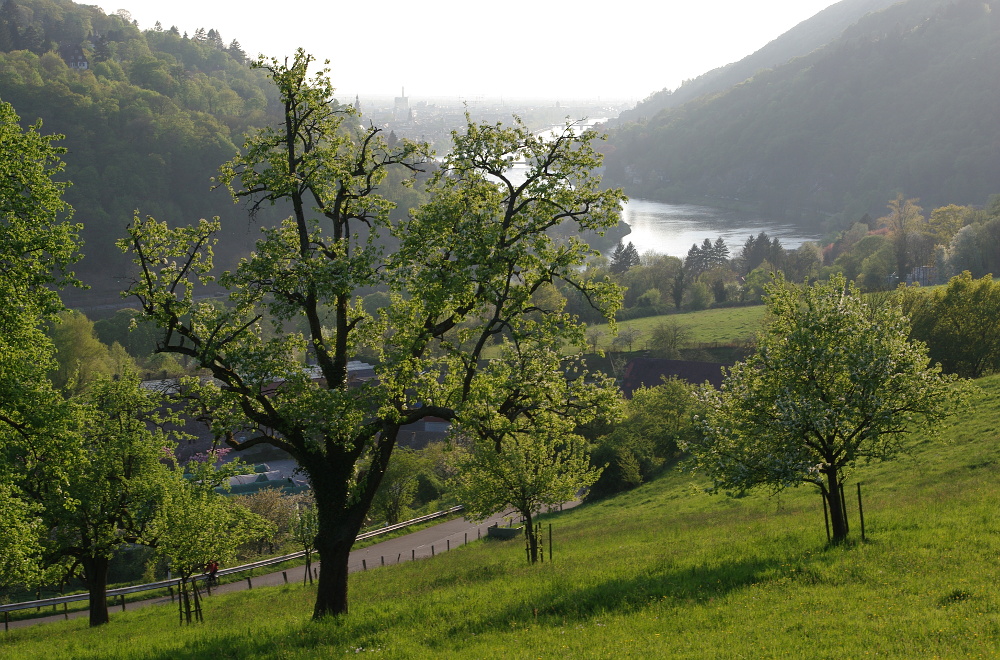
x=212 y=568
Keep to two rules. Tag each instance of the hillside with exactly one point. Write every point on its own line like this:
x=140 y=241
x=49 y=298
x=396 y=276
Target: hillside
x=801 y=40
x=904 y=100
x=148 y=117
x=662 y=571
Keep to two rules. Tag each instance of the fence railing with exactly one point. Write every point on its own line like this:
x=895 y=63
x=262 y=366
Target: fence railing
x=173 y=582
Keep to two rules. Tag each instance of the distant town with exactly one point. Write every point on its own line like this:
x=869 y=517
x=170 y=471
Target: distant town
x=432 y=119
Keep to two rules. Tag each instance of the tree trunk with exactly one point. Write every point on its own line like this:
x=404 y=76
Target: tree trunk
x=96 y=576
x=331 y=589
x=838 y=517
x=185 y=598
x=532 y=537
x=341 y=514
x=197 y=602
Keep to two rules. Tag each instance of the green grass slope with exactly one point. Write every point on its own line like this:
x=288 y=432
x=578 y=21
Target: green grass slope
x=662 y=571
x=723 y=325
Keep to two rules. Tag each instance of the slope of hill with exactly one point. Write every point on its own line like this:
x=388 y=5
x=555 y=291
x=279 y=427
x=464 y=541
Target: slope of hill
x=661 y=571
x=148 y=117
x=905 y=100
x=801 y=40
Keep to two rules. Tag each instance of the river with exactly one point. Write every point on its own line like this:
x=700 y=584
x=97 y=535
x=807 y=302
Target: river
x=672 y=228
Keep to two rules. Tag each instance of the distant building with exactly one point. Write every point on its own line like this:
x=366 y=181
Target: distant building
x=401 y=108
x=263 y=478
x=74 y=57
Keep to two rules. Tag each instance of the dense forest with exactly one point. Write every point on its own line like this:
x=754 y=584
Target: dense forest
x=903 y=101
x=148 y=117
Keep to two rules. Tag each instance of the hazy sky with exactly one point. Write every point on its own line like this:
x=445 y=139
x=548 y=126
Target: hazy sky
x=624 y=49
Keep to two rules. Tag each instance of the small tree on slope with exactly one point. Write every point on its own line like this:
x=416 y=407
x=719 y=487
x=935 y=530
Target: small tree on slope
x=834 y=382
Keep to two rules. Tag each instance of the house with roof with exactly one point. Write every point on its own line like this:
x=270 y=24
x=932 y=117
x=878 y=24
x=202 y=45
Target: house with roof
x=74 y=57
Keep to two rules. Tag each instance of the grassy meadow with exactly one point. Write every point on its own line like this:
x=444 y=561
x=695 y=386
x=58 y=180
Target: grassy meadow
x=662 y=571
x=724 y=325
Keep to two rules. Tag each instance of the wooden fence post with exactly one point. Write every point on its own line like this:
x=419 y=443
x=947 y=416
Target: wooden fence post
x=826 y=516
x=861 y=513
x=843 y=507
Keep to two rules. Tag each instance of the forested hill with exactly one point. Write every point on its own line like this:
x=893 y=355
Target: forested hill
x=148 y=117
x=904 y=101
x=801 y=40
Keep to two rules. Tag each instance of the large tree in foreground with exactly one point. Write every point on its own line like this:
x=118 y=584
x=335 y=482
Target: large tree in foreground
x=460 y=282
x=38 y=246
x=834 y=382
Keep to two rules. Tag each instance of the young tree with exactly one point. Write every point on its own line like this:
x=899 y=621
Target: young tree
x=462 y=280
x=276 y=507
x=305 y=525
x=115 y=480
x=538 y=462
x=833 y=382
x=626 y=338
x=667 y=339
x=194 y=525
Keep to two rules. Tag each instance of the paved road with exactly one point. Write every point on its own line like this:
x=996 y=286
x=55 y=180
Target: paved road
x=418 y=545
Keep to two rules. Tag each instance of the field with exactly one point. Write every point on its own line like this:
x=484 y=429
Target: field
x=662 y=571
x=728 y=325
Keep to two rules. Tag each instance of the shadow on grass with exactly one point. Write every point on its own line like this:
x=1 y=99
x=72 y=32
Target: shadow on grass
x=683 y=586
